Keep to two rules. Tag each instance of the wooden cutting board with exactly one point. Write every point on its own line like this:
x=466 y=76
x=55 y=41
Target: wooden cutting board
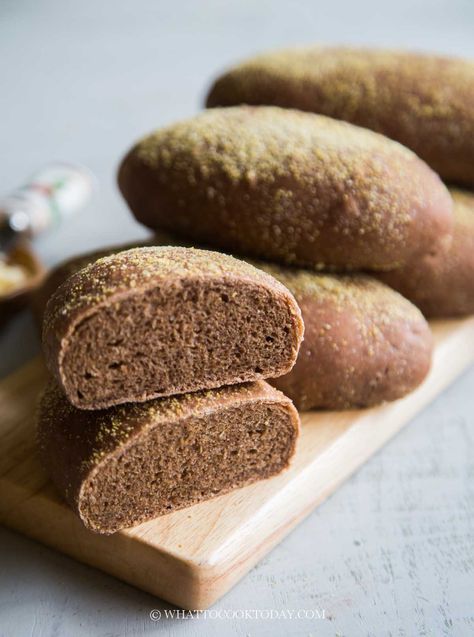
x=192 y=557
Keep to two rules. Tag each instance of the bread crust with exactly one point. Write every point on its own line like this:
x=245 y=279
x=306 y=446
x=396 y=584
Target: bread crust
x=64 y=269
x=423 y=101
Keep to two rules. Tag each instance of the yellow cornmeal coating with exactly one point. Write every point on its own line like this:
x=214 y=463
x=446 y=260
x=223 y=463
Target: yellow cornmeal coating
x=138 y=267
x=222 y=150
x=274 y=143
x=270 y=142
x=349 y=79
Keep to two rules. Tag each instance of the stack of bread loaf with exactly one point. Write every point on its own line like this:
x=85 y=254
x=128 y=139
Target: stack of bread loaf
x=158 y=402
x=158 y=354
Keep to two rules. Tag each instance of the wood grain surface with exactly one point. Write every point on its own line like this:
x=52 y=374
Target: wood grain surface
x=192 y=557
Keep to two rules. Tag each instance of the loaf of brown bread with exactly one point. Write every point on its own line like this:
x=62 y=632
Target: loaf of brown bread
x=292 y=187
x=364 y=343
x=124 y=465
x=159 y=321
x=442 y=285
x=423 y=101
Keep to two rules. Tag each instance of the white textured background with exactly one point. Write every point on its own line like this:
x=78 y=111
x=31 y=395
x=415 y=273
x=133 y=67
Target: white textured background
x=392 y=552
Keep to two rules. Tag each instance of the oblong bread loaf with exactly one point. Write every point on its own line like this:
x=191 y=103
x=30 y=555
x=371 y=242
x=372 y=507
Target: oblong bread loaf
x=442 y=285
x=287 y=186
x=124 y=465
x=423 y=101
x=364 y=343
x=159 y=321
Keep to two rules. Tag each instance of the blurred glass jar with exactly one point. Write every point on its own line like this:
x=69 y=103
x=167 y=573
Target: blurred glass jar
x=53 y=193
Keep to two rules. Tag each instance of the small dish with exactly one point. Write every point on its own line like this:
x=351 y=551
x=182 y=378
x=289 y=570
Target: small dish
x=16 y=299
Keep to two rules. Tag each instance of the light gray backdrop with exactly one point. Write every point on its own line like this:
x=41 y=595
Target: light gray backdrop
x=391 y=553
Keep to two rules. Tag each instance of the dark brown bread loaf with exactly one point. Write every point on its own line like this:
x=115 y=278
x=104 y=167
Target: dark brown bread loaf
x=288 y=186
x=364 y=343
x=442 y=285
x=124 y=465
x=159 y=321
x=423 y=101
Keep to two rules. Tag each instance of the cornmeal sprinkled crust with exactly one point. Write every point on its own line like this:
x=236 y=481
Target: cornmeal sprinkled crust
x=423 y=101
x=60 y=272
x=288 y=186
